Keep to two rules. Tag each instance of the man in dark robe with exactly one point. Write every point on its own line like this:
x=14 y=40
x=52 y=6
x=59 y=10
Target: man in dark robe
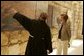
x=40 y=36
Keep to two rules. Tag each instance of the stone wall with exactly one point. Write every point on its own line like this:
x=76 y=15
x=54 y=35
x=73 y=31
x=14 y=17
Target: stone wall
x=14 y=42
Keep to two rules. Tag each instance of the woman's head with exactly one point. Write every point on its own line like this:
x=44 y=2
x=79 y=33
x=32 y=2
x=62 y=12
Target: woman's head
x=64 y=17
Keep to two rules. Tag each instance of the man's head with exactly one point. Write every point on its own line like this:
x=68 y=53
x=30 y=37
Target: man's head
x=43 y=16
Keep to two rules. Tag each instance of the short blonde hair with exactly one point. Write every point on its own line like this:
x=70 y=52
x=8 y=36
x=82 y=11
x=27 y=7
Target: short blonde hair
x=65 y=16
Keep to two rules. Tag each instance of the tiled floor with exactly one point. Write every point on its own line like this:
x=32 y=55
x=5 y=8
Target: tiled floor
x=75 y=49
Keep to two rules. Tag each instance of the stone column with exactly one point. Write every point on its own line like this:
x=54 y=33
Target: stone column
x=80 y=18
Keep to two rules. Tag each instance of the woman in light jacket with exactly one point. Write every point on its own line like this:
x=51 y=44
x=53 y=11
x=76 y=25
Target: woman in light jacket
x=64 y=35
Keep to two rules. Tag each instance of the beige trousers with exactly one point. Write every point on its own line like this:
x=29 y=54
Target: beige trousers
x=62 y=47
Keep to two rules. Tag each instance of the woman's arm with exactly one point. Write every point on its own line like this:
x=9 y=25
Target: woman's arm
x=69 y=30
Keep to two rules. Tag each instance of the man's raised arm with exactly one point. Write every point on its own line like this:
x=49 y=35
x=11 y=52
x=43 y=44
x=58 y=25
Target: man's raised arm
x=23 y=20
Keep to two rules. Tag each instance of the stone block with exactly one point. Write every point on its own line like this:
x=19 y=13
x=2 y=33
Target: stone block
x=22 y=53
x=14 y=49
x=24 y=36
x=23 y=47
x=4 y=50
x=14 y=37
x=4 y=39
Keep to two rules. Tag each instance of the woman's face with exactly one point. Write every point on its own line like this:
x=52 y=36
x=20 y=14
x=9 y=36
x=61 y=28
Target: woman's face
x=60 y=18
